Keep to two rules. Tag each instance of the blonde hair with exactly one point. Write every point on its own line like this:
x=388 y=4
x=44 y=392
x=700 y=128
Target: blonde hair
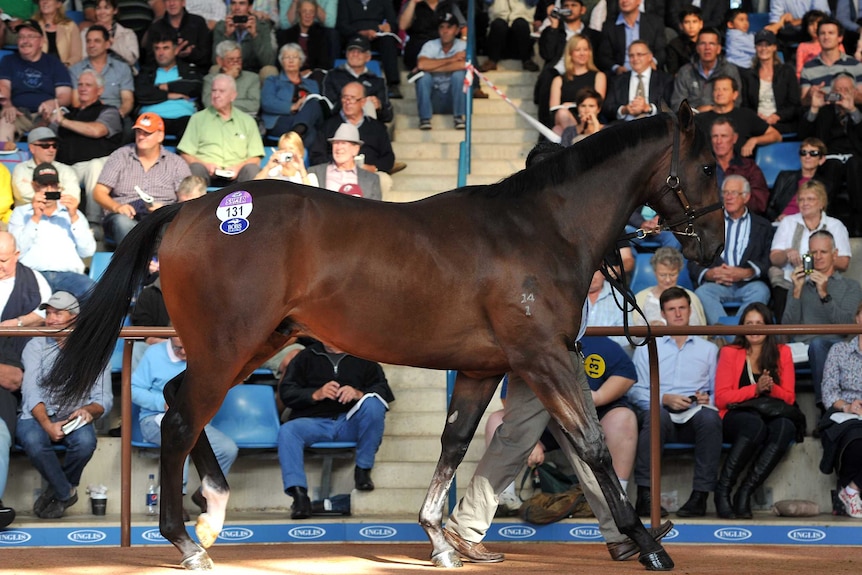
x=294 y=140
x=570 y=65
x=818 y=188
x=61 y=17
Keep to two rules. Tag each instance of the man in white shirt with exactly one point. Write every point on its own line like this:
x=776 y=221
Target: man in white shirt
x=53 y=235
x=43 y=144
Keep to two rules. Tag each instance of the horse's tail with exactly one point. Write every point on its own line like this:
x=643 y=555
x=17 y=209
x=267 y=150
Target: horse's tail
x=88 y=348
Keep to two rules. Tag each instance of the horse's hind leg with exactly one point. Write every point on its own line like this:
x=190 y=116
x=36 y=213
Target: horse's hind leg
x=582 y=429
x=469 y=400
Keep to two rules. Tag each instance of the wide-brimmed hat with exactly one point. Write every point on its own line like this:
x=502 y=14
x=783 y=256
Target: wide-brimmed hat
x=346 y=133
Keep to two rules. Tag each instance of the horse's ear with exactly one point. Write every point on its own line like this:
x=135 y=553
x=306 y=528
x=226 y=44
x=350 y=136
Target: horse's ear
x=686 y=117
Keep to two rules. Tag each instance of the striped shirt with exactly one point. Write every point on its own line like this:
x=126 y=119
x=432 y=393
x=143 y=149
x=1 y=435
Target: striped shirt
x=123 y=171
x=816 y=71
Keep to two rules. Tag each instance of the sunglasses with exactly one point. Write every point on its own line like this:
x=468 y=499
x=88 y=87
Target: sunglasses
x=46 y=145
x=812 y=153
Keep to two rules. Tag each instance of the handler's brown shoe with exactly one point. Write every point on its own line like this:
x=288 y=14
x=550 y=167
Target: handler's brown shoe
x=622 y=550
x=475 y=552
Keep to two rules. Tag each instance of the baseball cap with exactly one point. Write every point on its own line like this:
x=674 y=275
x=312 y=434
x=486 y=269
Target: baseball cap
x=62 y=300
x=350 y=190
x=359 y=42
x=447 y=18
x=39 y=134
x=766 y=36
x=29 y=23
x=149 y=123
x=45 y=174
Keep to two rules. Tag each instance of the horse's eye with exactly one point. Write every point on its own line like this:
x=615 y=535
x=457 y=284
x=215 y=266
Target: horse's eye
x=709 y=170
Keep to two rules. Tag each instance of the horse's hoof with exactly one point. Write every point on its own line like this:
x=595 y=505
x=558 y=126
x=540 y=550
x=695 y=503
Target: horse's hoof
x=656 y=561
x=200 y=561
x=205 y=532
x=447 y=560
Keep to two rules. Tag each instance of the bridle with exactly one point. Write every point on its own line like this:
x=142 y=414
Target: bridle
x=673 y=184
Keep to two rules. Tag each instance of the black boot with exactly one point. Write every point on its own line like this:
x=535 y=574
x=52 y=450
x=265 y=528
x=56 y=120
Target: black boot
x=301 y=508
x=695 y=506
x=740 y=454
x=645 y=502
x=763 y=466
x=362 y=479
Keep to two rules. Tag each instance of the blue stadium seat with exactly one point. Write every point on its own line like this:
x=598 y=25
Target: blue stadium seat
x=76 y=16
x=98 y=264
x=643 y=276
x=757 y=21
x=774 y=158
x=249 y=416
x=328 y=451
x=137 y=436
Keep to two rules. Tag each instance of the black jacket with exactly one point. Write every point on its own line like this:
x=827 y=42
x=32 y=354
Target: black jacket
x=317 y=54
x=612 y=47
x=190 y=83
x=713 y=12
x=377 y=146
x=757 y=251
x=785 y=187
x=785 y=87
x=193 y=29
x=552 y=42
x=313 y=367
x=660 y=90
x=827 y=127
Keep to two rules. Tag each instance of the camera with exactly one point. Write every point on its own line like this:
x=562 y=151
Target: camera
x=240 y=19
x=807 y=264
x=833 y=97
x=285 y=157
x=561 y=13
x=52 y=195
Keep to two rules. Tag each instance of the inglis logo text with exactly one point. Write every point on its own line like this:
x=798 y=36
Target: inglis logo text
x=153 y=535
x=236 y=534
x=378 y=532
x=585 y=533
x=14 y=537
x=307 y=532
x=732 y=534
x=672 y=534
x=517 y=532
x=86 y=536
x=806 y=535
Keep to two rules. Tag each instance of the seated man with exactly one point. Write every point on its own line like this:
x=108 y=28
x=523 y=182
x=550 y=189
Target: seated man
x=229 y=59
x=32 y=85
x=42 y=419
x=823 y=68
x=90 y=133
x=333 y=396
x=821 y=296
x=161 y=363
x=222 y=144
x=170 y=88
x=119 y=84
x=440 y=89
x=694 y=81
x=509 y=34
x=253 y=34
x=342 y=174
x=376 y=147
x=618 y=32
x=53 y=235
x=195 y=38
x=358 y=54
x=145 y=164
x=740 y=273
x=642 y=91
x=376 y=21
x=687 y=379
x=44 y=146
x=724 y=138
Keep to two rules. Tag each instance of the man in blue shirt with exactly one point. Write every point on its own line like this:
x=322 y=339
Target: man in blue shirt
x=686 y=379
x=440 y=89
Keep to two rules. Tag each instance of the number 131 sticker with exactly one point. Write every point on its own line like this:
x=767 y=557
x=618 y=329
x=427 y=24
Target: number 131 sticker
x=235 y=205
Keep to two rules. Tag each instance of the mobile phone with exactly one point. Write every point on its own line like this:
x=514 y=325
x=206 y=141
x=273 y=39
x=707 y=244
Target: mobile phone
x=52 y=195
x=833 y=97
x=240 y=19
x=807 y=263
x=227 y=174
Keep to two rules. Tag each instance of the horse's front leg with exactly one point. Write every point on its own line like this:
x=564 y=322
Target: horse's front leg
x=469 y=400
x=581 y=427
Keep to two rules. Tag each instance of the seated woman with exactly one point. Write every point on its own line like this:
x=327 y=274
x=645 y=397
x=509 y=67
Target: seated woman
x=62 y=38
x=589 y=104
x=287 y=162
x=840 y=431
x=771 y=88
x=310 y=35
x=752 y=366
x=283 y=98
x=580 y=73
x=782 y=200
x=124 y=42
x=667 y=263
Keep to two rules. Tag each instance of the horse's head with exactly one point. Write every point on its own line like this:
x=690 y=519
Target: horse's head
x=689 y=201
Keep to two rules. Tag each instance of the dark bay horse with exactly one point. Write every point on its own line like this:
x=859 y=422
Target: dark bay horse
x=484 y=280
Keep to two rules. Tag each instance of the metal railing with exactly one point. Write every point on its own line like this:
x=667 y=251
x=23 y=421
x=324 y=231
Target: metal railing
x=130 y=334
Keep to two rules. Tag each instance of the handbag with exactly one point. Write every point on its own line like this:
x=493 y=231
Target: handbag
x=771 y=408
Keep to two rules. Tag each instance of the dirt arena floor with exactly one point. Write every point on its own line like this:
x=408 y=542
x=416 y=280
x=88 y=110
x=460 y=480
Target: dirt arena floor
x=412 y=559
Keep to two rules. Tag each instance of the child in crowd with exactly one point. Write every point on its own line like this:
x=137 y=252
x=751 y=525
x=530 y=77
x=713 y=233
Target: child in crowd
x=739 y=42
x=680 y=50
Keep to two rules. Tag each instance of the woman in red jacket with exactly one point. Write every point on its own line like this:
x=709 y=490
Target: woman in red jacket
x=752 y=366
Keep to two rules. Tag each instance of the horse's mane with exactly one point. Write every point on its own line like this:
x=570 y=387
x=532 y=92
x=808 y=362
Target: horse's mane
x=612 y=141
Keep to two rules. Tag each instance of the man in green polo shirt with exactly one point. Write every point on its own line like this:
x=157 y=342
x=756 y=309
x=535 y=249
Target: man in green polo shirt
x=222 y=143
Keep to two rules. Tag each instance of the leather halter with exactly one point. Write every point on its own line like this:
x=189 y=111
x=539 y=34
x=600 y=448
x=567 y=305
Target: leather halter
x=673 y=185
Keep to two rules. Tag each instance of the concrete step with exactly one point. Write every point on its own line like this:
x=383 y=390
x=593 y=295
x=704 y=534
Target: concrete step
x=450 y=151
x=509 y=121
x=493 y=105
x=436 y=167
x=407 y=135
x=401 y=377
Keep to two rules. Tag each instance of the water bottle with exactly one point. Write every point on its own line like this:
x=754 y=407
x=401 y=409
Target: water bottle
x=152 y=496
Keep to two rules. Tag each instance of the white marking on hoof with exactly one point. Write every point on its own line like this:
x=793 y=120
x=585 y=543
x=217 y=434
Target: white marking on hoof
x=453 y=417
x=207 y=530
x=447 y=560
x=198 y=562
